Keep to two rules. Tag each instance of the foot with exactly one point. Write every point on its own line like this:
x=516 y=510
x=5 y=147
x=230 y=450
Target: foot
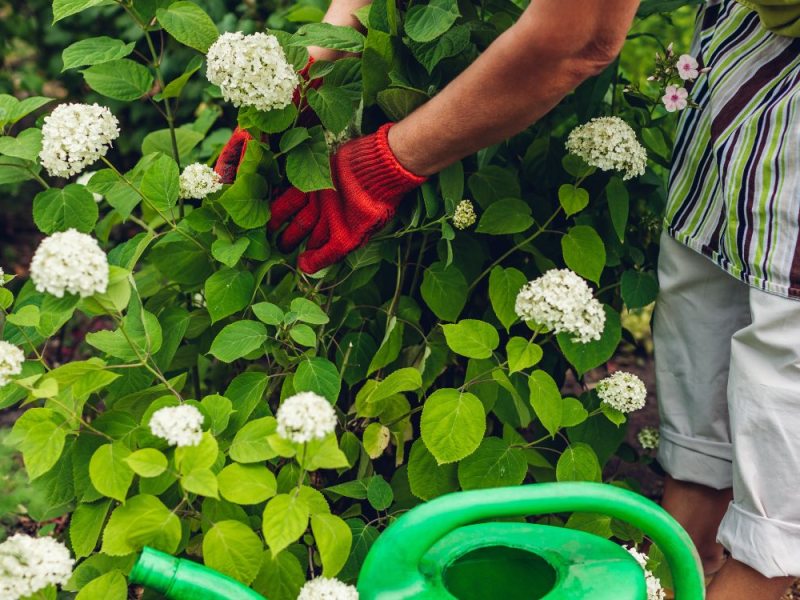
x=737 y=581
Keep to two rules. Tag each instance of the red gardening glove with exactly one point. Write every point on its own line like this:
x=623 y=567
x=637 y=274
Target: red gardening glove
x=370 y=183
x=232 y=154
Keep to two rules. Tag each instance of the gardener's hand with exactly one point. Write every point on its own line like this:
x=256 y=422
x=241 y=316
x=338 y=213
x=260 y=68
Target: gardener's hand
x=232 y=154
x=369 y=182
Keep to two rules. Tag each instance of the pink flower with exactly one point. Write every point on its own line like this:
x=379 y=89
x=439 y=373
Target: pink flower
x=675 y=98
x=687 y=67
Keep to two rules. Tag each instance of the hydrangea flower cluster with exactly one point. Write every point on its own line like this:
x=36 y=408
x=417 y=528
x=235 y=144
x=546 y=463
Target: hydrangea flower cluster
x=305 y=417
x=622 y=391
x=609 y=144
x=323 y=588
x=252 y=70
x=563 y=302
x=198 y=181
x=180 y=425
x=464 y=215
x=649 y=438
x=11 y=359
x=655 y=591
x=28 y=565
x=76 y=135
x=2 y=277
x=70 y=261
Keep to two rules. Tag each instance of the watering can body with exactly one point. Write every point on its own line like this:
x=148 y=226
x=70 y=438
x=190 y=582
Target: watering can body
x=444 y=549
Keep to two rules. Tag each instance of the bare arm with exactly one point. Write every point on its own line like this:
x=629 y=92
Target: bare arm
x=340 y=12
x=554 y=46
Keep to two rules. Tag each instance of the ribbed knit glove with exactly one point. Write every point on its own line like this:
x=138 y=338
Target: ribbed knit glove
x=369 y=182
x=232 y=154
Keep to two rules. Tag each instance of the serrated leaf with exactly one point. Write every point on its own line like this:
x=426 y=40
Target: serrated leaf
x=94 y=51
x=505 y=217
x=189 y=24
x=121 y=79
x=584 y=252
x=472 y=338
x=72 y=207
x=237 y=340
x=452 y=424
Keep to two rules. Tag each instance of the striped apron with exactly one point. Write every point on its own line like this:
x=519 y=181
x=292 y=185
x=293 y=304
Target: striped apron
x=734 y=191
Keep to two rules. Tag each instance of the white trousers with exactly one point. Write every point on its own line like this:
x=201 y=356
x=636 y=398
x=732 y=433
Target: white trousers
x=728 y=383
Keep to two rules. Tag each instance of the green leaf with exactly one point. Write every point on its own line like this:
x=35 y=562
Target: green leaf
x=160 y=184
x=229 y=252
x=228 y=291
x=303 y=335
x=325 y=35
x=94 y=51
x=181 y=260
x=147 y=462
x=189 y=24
x=309 y=312
x=161 y=141
x=318 y=375
x=58 y=209
x=269 y=313
x=281 y=576
x=85 y=526
x=251 y=444
x=452 y=43
x=232 y=548
x=426 y=477
x=333 y=538
x=65 y=8
x=585 y=357
x=39 y=435
x=237 y=340
x=390 y=347
x=109 y=471
x=504 y=285
x=121 y=79
x=638 y=289
x=247 y=484
x=452 y=424
x=370 y=398
x=201 y=456
x=444 y=290
x=26 y=316
x=578 y=463
x=379 y=493
x=424 y=23
x=142 y=521
x=308 y=165
x=572 y=199
x=285 y=519
x=618 y=205
x=201 y=481
x=494 y=464
x=376 y=438
x=522 y=354
x=272 y=121
x=109 y=586
x=504 y=217
x=26 y=145
x=584 y=252
x=472 y=338
x=545 y=397
x=398 y=103
x=245 y=201
x=332 y=105
x=174 y=88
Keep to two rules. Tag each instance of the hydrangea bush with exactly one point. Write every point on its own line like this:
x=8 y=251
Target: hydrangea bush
x=228 y=408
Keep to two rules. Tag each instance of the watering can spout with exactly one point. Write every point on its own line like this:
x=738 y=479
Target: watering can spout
x=180 y=579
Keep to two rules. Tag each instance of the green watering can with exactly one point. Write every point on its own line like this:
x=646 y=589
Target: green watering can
x=446 y=549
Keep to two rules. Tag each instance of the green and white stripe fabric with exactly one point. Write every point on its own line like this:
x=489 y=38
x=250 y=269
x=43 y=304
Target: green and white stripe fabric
x=734 y=190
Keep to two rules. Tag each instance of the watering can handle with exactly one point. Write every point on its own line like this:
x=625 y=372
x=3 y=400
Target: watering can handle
x=407 y=540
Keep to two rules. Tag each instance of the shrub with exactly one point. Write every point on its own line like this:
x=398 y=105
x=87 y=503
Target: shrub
x=161 y=430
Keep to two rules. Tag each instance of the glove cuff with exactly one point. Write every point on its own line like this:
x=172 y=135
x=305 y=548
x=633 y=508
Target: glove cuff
x=377 y=169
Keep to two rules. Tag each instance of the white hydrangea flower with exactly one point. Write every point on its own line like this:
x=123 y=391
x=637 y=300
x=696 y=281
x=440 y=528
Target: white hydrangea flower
x=84 y=180
x=323 y=588
x=76 y=135
x=623 y=391
x=649 y=438
x=70 y=261
x=11 y=359
x=304 y=417
x=2 y=277
x=180 y=425
x=251 y=70
x=563 y=302
x=655 y=591
x=464 y=215
x=609 y=144
x=28 y=565
x=198 y=181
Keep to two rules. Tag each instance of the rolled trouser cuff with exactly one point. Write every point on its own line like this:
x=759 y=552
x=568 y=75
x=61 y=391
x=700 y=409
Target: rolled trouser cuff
x=696 y=460
x=769 y=546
